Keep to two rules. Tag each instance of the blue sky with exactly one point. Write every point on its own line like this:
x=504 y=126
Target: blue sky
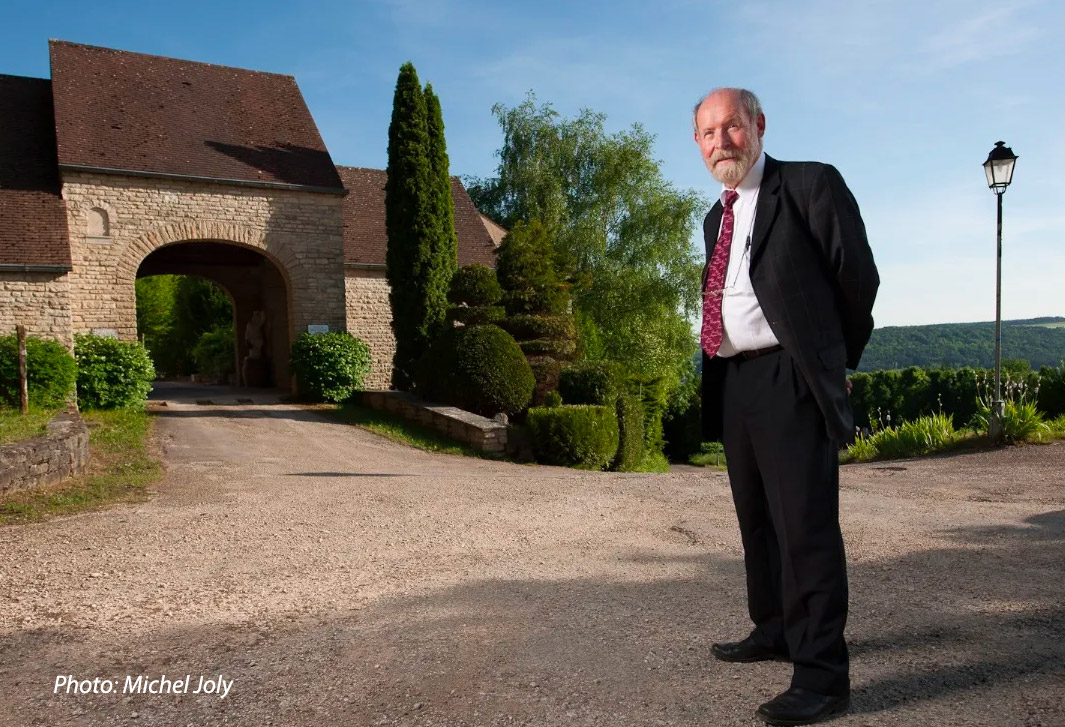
x=906 y=98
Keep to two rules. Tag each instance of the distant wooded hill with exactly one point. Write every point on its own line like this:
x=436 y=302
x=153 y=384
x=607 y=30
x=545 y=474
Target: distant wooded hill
x=1040 y=341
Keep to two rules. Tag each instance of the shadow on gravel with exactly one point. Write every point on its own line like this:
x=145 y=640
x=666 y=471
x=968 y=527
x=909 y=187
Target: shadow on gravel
x=299 y=415
x=988 y=613
x=978 y=621
x=347 y=474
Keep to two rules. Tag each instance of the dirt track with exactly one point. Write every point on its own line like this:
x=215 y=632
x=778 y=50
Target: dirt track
x=339 y=579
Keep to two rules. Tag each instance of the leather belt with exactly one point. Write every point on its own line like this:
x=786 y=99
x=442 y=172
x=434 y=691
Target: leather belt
x=748 y=355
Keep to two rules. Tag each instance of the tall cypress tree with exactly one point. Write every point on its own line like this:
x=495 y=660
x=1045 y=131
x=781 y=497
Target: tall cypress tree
x=444 y=260
x=409 y=222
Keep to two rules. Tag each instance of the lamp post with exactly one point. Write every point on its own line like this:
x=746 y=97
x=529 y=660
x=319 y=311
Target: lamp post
x=999 y=171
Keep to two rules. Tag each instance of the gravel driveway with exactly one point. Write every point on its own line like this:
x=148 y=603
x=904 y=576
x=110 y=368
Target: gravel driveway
x=331 y=577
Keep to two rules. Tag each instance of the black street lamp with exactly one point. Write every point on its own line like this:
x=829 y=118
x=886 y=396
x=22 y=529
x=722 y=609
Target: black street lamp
x=999 y=171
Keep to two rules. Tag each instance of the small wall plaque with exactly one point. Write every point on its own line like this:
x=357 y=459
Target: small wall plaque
x=315 y=329
x=105 y=332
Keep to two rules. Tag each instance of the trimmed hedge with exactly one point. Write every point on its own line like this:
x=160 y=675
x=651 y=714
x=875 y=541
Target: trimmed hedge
x=476 y=315
x=630 y=434
x=590 y=382
x=574 y=436
x=526 y=326
x=329 y=366
x=112 y=374
x=50 y=371
x=474 y=285
x=546 y=347
x=477 y=368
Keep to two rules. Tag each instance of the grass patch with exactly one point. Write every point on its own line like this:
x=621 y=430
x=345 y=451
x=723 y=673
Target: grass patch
x=402 y=431
x=710 y=454
x=14 y=427
x=120 y=470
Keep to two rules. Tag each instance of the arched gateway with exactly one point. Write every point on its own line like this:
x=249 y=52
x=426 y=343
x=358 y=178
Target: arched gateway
x=126 y=165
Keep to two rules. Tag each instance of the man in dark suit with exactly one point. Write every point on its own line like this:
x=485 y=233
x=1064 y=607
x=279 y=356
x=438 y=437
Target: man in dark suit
x=788 y=295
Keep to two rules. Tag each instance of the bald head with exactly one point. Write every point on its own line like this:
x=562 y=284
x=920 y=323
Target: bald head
x=729 y=125
x=750 y=104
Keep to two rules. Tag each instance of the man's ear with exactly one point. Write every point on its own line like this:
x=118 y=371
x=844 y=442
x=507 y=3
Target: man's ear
x=760 y=123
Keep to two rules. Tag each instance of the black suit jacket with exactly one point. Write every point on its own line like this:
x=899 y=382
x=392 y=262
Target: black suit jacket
x=815 y=279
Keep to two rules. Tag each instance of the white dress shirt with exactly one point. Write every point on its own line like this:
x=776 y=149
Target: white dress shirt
x=746 y=327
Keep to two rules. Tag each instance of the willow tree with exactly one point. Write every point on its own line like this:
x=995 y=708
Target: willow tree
x=622 y=233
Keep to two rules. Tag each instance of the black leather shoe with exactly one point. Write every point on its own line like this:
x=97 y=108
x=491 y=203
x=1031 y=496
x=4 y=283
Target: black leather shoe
x=746 y=651
x=801 y=706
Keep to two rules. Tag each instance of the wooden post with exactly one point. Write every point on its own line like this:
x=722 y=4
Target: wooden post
x=23 y=387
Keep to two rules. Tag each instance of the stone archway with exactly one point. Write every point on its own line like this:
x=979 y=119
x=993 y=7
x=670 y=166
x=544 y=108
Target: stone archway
x=260 y=293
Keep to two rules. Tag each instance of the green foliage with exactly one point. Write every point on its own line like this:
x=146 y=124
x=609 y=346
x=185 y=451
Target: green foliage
x=682 y=425
x=621 y=232
x=546 y=347
x=527 y=327
x=477 y=315
x=924 y=435
x=214 y=353
x=421 y=254
x=630 y=452
x=173 y=311
x=709 y=454
x=442 y=262
x=591 y=382
x=329 y=366
x=477 y=368
x=1039 y=341
x=50 y=372
x=552 y=399
x=654 y=396
x=574 y=436
x=474 y=285
x=1051 y=396
x=112 y=374
x=527 y=273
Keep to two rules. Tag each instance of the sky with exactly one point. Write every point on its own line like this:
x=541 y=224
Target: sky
x=905 y=98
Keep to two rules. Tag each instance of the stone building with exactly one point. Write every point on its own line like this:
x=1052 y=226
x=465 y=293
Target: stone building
x=126 y=165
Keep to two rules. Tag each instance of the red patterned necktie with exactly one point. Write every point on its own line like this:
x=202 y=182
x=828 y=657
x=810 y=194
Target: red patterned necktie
x=713 y=328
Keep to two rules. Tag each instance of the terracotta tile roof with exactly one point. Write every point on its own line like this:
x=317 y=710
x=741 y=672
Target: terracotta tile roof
x=33 y=220
x=364 y=220
x=120 y=110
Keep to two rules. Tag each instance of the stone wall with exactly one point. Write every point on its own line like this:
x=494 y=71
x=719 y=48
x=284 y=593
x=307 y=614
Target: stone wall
x=370 y=320
x=62 y=453
x=487 y=435
x=39 y=301
x=300 y=232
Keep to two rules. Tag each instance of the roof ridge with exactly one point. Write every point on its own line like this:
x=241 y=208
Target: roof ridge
x=119 y=51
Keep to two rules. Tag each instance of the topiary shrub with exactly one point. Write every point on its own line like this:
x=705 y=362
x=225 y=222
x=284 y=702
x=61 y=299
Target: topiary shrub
x=50 y=371
x=479 y=315
x=529 y=326
x=329 y=366
x=590 y=382
x=477 y=368
x=112 y=374
x=552 y=399
x=214 y=353
x=574 y=436
x=630 y=434
x=547 y=347
x=474 y=285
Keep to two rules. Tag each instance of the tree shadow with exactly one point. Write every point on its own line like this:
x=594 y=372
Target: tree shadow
x=285 y=163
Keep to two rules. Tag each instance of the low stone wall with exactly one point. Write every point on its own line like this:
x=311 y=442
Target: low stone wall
x=60 y=454
x=477 y=431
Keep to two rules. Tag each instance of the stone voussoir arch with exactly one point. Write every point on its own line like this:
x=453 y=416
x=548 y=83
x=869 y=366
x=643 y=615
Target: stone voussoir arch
x=206 y=231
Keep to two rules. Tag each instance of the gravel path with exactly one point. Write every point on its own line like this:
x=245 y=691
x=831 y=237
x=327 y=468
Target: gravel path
x=334 y=578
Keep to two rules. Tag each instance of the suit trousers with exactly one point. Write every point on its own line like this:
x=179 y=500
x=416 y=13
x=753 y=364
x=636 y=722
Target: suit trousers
x=784 y=473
